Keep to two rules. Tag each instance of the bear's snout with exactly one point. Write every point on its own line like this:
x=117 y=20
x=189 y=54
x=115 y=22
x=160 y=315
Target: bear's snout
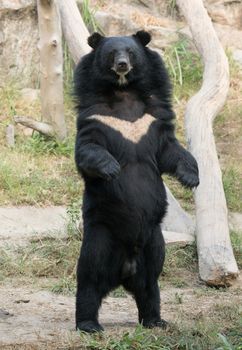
x=122 y=64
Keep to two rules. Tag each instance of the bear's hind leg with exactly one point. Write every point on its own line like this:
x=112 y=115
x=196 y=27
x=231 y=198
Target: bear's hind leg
x=96 y=276
x=144 y=284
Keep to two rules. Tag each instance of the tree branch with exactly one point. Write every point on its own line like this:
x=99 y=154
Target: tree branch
x=43 y=128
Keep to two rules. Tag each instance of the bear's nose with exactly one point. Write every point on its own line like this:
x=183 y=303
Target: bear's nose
x=122 y=64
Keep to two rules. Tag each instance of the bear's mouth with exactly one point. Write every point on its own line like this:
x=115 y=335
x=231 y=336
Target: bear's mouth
x=121 y=70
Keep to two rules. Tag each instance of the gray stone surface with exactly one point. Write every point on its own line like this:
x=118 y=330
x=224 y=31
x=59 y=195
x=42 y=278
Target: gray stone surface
x=18 y=225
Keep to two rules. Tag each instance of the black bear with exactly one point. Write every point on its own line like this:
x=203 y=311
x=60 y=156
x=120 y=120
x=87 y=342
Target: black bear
x=125 y=141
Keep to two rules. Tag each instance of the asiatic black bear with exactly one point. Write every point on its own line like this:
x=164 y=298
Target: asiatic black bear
x=125 y=142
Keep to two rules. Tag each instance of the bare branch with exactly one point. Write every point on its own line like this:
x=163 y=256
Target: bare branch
x=43 y=128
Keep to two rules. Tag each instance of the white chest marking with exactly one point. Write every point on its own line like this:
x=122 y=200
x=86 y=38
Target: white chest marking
x=122 y=80
x=132 y=131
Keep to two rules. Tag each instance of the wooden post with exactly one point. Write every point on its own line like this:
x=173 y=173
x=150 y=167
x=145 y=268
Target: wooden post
x=217 y=265
x=51 y=66
x=10 y=134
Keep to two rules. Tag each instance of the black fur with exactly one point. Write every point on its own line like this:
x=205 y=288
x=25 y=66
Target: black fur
x=124 y=199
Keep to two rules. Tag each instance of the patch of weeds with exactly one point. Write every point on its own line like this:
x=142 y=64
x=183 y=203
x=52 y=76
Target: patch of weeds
x=178 y=257
x=68 y=69
x=119 y=293
x=65 y=286
x=236 y=239
x=178 y=298
x=88 y=15
x=182 y=194
x=232 y=187
x=205 y=291
x=172 y=9
x=180 y=336
x=73 y=219
x=39 y=180
x=39 y=144
x=178 y=282
x=44 y=258
x=8 y=97
x=185 y=68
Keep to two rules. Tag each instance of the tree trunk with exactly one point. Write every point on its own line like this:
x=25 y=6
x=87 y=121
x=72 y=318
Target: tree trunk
x=74 y=29
x=51 y=66
x=217 y=265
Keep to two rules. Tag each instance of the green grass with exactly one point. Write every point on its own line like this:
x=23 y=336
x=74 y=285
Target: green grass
x=203 y=335
x=232 y=182
x=42 y=145
x=88 y=16
x=236 y=239
x=184 y=67
x=184 y=257
x=172 y=8
x=37 y=180
x=49 y=258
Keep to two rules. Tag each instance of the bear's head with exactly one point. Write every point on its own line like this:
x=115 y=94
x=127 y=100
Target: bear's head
x=122 y=59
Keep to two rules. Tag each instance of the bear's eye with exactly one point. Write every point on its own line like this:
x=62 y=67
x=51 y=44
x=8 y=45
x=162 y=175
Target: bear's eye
x=111 y=55
x=131 y=54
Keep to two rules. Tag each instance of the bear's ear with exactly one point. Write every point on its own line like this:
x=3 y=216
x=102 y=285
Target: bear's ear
x=143 y=36
x=94 y=40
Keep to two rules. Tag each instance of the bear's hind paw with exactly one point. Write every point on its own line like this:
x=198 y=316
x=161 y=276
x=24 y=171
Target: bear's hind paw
x=155 y=323
x=89 y=326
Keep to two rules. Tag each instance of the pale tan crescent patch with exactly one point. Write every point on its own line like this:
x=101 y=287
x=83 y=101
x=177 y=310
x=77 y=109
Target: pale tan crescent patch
x=132 y=131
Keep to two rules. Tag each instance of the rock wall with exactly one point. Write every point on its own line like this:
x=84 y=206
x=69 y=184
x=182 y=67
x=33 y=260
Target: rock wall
x=19 y=56
x=226 y=12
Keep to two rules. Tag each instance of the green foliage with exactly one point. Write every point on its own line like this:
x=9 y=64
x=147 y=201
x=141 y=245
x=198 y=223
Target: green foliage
x=180 y=336
x=50 y=257
x=8 y=96
x=119 y=293
x=232 y=180
x=73 y=221
x=39 y=144
x=88 y=16
x=40 y=178
x=68 y=69
x=181 y=257
x=172 y=8
x=236 y=239
x=185 y=68
x=183 y=195
x=65 y=285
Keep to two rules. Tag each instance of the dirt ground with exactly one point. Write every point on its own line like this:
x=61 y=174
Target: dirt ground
x=38 y=319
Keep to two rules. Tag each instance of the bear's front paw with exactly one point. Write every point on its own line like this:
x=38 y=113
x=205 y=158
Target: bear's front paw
x=111 y=170
x=187 y=173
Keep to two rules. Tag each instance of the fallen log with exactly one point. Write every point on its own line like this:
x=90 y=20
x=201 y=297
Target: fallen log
x=43 y=128
x=217 y=265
